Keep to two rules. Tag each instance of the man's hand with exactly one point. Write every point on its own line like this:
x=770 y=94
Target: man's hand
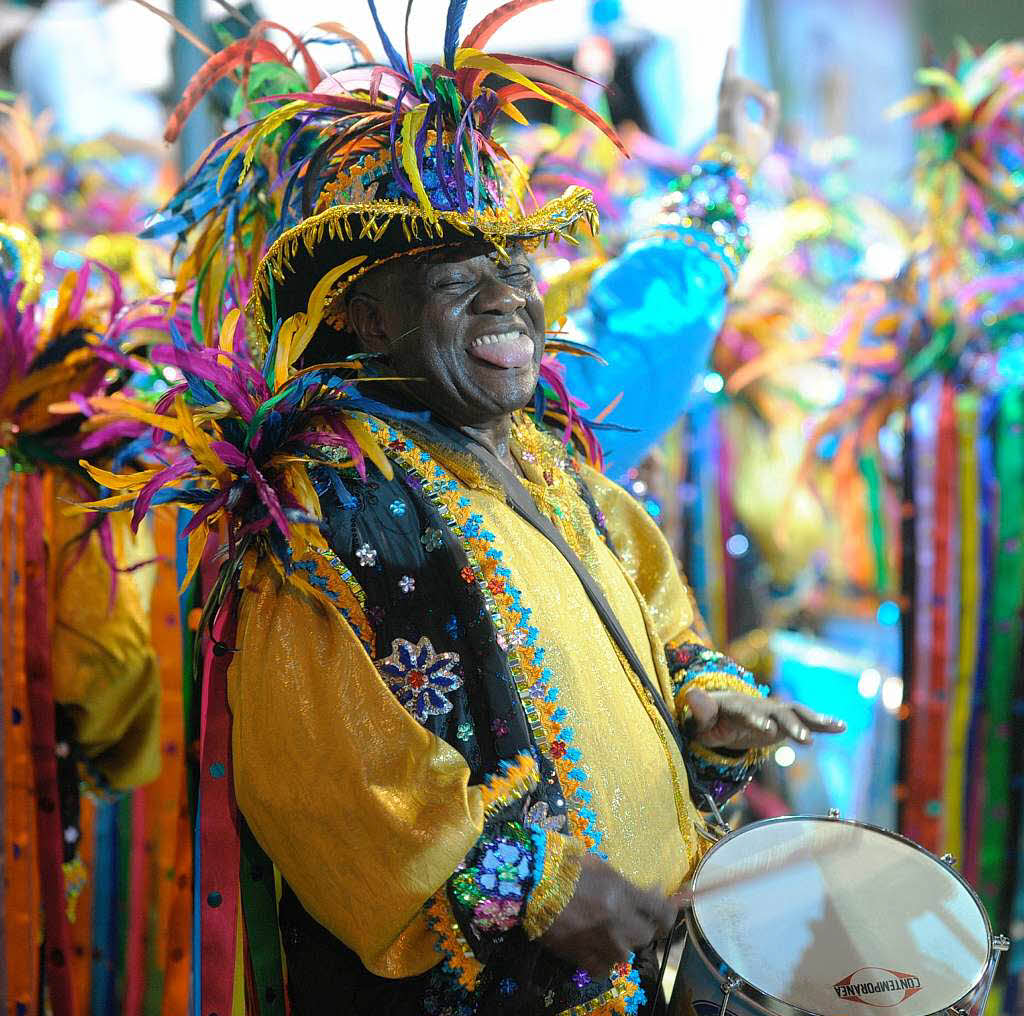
x=608 y=918
x=730 y=719
x=753 y=138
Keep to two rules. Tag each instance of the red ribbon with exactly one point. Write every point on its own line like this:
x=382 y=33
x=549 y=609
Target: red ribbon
x=929 y=714
x=218 y=824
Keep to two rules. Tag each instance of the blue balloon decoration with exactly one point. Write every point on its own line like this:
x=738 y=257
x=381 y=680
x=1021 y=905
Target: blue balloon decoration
x=653 y=313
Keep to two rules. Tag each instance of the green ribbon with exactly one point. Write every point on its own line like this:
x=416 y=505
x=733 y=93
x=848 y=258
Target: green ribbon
x=872 y=477
x=1005 y=646
x=259 y=907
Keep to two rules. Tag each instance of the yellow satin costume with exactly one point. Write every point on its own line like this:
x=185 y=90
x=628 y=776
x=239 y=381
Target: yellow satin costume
x=366 y=813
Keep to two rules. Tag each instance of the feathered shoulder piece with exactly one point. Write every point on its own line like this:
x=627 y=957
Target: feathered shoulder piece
x=235 y=442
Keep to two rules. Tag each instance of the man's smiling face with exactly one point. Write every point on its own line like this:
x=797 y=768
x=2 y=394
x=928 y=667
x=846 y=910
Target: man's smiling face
x=466 y=325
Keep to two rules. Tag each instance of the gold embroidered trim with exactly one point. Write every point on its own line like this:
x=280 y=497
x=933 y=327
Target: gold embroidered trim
x=755 y=756
x=563 y=865
x=712 y=682
x=371 y=220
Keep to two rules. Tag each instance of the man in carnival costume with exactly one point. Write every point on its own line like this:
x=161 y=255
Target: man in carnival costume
x=78 y=675
x=473 y=716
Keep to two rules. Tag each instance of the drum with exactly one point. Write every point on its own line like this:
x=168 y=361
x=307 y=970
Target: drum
x=834 y=918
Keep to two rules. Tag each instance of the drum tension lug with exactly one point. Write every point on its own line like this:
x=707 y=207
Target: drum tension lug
x=1000 y=943
x=833 y=813
x=948 y=859
x=729 y=985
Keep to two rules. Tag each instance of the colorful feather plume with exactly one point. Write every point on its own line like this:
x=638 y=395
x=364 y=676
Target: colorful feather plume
x=416 y=138
x=970 y=167
x=238 y=445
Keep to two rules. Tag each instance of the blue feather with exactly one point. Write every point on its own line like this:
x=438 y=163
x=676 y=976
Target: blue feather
x=452 y=28
x=396 y=61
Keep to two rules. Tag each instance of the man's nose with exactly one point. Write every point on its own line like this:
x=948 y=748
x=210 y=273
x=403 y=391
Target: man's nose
x=497 y=297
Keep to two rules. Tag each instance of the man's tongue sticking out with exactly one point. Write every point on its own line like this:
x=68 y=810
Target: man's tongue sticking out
x=506 y=349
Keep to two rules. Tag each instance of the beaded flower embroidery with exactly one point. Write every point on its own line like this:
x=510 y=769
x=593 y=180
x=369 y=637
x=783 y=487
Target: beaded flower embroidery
x=494 y=889
x=421 y=678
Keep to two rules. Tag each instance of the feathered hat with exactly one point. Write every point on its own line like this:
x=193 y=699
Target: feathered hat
x=374 y=162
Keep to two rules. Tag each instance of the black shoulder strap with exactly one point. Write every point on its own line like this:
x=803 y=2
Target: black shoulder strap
x=522 y=503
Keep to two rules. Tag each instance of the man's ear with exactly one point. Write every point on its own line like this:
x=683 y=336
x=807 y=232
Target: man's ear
x=366 y=320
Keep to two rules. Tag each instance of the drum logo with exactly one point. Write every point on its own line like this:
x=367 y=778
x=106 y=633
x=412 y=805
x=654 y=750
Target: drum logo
x=877 y=986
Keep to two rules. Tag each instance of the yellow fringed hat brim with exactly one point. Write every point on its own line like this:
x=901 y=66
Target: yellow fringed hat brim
x=382 y=231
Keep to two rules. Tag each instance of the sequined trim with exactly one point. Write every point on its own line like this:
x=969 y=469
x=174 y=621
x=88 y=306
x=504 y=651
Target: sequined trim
x=560 y=863
x=731 y=766
x=693 y=665
x=459 y=960
x=369 y=221
x=326 y=572
x=515 y=780
x=510 y=617
x=534 y=681
x=708 y=211
x=624 y=998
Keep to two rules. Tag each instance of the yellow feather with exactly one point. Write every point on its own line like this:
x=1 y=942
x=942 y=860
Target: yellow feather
x=283 y=356
x=118 y=481
x=318 y=304
x=199 y=444
x=911 y=104
x=410 y=125
x=125 y=409
x=227 y=334
x=115 y=501
x=196 y=546
x=514 y=113
x=369 y=445
x=469 y=57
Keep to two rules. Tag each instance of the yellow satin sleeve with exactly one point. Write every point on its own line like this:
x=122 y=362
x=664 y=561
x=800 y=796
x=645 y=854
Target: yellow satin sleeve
x=104 y=667
x=364 y=811
x=647 y=559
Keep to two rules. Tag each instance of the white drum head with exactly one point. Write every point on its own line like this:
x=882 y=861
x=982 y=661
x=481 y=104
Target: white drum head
x=838 y=918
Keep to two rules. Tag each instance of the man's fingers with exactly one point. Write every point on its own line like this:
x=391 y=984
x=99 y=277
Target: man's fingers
x=728 y=71
x=772 y=113
x=793 y=726
x=819 y=721
x=683 y=899
x=703 y=707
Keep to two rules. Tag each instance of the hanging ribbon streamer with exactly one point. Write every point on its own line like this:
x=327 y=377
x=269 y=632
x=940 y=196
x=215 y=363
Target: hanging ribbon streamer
x=259 y=905
x=104 y=911
x=977 y=733
x=944 y=608
x=1004 y=653
x=22 y=898
x=38 y=669
x=167 y=795
x=873 y=480
x=138 y=909
x=967 y=408
x=81 y=928
x=218 y=826
x=925 y=414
